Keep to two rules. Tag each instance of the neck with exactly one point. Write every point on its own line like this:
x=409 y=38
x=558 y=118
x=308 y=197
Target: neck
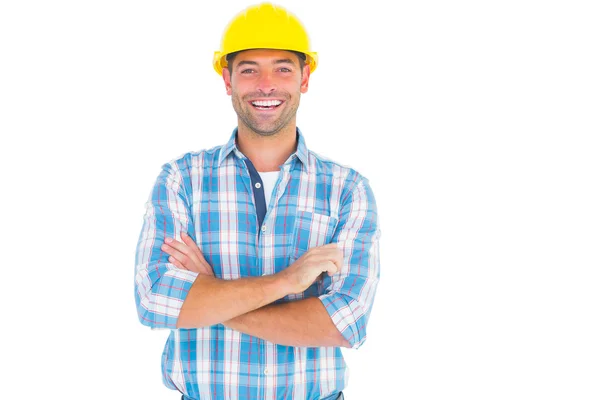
x=267 y=153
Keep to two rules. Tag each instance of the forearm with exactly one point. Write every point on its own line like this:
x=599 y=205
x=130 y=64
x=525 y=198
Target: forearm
x=303 y=323
x=211 y=301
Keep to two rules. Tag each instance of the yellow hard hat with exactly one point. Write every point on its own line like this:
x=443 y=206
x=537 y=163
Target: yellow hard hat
x=264 y=26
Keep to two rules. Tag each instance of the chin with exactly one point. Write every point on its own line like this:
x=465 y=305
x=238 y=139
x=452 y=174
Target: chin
x=265 y=132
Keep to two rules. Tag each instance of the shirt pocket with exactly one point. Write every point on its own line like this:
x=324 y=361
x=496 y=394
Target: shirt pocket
x=310 y=230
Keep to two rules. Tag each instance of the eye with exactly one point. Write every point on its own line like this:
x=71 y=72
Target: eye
x=285 y=69
x=247 y=71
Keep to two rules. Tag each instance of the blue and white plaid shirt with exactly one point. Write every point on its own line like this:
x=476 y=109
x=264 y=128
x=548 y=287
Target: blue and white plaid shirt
x=210 y=195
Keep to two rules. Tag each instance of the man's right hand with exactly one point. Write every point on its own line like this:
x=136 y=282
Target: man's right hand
x=306 y=269
x=187 y=255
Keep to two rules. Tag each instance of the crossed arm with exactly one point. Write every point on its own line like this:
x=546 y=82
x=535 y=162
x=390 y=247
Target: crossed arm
x=298 y=323
x=172 y=296
x=244 y=304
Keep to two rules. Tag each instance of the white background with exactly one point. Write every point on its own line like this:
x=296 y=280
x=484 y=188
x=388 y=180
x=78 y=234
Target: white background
x=476 y=122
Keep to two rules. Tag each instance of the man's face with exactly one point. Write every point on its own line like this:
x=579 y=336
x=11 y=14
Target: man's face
x=265 y=87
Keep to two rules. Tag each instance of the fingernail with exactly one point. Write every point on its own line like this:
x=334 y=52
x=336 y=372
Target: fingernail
x=168 y=240
x=183 y=234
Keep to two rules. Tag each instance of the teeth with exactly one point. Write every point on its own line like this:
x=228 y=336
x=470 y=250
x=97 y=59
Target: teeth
x=266 y=103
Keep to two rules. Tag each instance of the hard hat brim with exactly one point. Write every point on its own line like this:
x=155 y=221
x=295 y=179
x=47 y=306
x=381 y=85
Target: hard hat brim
x=220 y=59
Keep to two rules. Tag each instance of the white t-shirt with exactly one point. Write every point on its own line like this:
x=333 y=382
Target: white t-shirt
x=269 y=179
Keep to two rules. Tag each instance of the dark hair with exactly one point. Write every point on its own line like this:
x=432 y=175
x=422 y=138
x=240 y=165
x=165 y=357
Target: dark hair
x=231 y=56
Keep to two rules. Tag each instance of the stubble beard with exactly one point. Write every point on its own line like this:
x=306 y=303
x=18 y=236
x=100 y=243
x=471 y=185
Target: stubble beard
x=249 y=117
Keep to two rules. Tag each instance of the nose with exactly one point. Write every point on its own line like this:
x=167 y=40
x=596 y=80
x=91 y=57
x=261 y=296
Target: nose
x=266 y=83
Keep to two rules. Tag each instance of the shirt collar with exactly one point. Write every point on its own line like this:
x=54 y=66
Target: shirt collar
x=301 y=150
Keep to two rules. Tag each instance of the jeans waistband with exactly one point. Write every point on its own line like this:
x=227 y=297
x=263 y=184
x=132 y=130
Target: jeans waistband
x=337 y=396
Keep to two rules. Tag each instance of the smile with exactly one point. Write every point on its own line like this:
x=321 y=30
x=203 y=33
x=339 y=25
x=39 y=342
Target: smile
x=266 y=104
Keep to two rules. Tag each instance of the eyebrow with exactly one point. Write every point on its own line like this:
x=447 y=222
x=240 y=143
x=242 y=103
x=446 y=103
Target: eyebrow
x=280 y=61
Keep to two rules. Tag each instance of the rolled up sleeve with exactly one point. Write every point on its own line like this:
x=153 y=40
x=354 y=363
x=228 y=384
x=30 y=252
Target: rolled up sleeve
x=160 y=287
x=349 y=297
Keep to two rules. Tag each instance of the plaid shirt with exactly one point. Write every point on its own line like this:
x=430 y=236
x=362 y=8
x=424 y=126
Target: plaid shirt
x=211 y=195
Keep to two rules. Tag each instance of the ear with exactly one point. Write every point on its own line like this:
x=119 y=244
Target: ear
x=227 y=80
x=305 y=76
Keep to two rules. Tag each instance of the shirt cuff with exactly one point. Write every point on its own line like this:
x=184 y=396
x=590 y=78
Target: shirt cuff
x=347 y=315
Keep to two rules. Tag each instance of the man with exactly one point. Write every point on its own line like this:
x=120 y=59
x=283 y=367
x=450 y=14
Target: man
x=260 y=256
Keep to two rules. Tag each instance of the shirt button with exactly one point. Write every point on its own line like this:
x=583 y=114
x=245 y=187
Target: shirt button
x=257 y=185
x=264 y=228
x=266 y=371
